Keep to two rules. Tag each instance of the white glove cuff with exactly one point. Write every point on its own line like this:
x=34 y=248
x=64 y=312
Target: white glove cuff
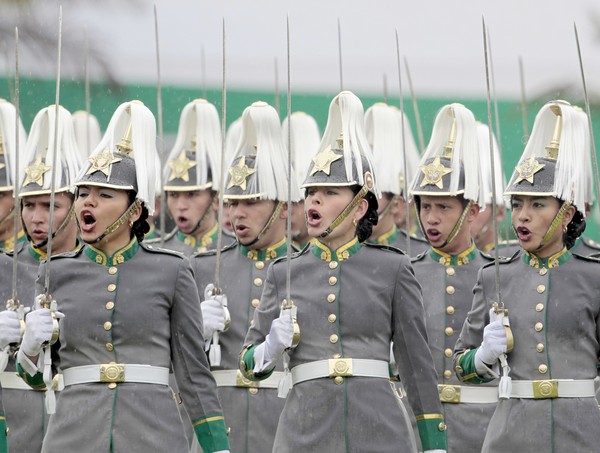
x=262 y=360
x=28 y=366
x=484 y=370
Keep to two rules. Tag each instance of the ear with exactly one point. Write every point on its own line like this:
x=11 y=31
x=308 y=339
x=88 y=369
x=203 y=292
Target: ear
x=284 y=211
x=569 y=214
x=361 y=209
x=215 y=203
x=135 y=215
x=473 y=212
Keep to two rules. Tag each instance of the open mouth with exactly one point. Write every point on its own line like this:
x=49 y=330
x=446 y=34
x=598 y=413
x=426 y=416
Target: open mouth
x=524 y=234
x=88 y=222
x=182 y=223
x=241 y=230
x=313 y=218
x=433 y=235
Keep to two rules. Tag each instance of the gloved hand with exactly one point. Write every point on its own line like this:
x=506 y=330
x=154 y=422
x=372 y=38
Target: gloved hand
x=493 y=345
x=437 y=450
x=279 y=338
x=10 y=328
x=38 y=330
x=213 y=314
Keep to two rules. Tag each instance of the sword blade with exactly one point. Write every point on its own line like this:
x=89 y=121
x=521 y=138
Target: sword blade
x=15 y=177
x=161 y=142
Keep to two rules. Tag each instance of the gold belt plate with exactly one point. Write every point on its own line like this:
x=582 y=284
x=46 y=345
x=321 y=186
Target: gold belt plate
x=112 y=372
x=545 y=389
x=449 y=393
x=340 y=367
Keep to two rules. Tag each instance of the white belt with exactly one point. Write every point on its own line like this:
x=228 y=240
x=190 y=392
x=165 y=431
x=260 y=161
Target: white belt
x=115 y=373
x=235 y=378
x=467 y=394
x=334 y=368
x=12 y=381
x=553 y=388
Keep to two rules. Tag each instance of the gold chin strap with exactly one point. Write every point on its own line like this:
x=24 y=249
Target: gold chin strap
x=340 y=218
x=61 y=227
x=455 y=230
x=274 y=215
x=558 y=218
x=117 y=223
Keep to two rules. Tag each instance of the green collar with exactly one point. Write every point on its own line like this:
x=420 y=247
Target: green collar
x=120 y=256
x=152 y=233
x=387 y=238
x=324 y=253
x=9 y=244
x=208 y=238
x=270 y=253
x=461 y=259
x=38 y=255
x=552 y=261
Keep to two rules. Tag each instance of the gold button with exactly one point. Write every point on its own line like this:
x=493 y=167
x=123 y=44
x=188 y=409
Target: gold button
x=259 y=265
x=112 y=270
x=541 y=288
x=539 y=307
x=450 y=289
x=450 y=271
x=109 y=347
x=331 y=318
x=112 y=385
x=258 y=281
x=333 y=264
x=450 y=310
x=449 y=331
x=332 y=280
x=331 y=298
x=107 y=325
x=447 y=374
x=539 y=347
x=255 y=302
x=338 y=380
x=253 y=390
x=111 y=287
x=442 y=426
x=333 y=338
x=543 y=368
x=538 y=327
x=448 y=352
x=337 y=356
x=110 y=305
x=543 y=271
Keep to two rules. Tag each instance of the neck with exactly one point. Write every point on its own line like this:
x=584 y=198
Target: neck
x=384 y=225
x=205 y=226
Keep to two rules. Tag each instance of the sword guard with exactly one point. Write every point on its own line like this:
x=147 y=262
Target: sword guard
x=285 y=306
x=498 y=312
x=46 y=301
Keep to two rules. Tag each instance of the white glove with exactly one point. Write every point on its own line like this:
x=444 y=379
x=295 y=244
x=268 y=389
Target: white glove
x=213 y=314
x=10 y=328
x=494 y=344
x=38 y=330
x=280 y=337
x=437 y=450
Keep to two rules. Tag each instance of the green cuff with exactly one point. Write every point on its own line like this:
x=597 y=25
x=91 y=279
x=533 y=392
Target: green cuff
x=211 y=433
x=3 y=443
x=432 y=431
x=247 y=365
x=36 y=382
x=465 y=368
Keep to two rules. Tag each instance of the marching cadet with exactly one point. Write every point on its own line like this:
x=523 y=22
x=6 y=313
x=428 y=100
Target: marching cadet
x=87 y=132
x=25 y=410
x=350 y=300
x=552 y=298
x=121 y=327
x=191 y=179
x=305 y=138
x=448 y=194
x=7 y=172
x=256 y=191
x=383 y=126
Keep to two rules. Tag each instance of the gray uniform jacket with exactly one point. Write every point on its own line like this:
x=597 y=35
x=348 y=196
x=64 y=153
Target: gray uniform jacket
x=554 y=311
x=398 y=238
x=251 y=413
x=352 y=303
x=187 y=244
x=585 y=247
x=139 y=306
x=448 y=283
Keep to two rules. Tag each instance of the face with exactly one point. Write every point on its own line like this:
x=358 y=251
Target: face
x=439 y=215
x=97 y=208
x=299 y=228
x=400 y=213
x=36 y=219
x=7 y=204
x=322 y=206
x=388 y=202
x=187 y=208
x=249 y=217
x=531 y=219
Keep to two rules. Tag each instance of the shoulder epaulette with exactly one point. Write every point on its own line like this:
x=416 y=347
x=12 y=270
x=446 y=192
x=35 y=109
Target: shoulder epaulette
x=419 y=257
x=154 y=249
x=158 y=239
x=214 y=251
x=503 y=259
x=595 y=258
x=590 y=243
x=388 y=248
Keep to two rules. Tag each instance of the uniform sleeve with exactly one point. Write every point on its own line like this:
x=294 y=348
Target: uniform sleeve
x=190 y=364
x=264 y=315
x=471 y=335
x=414 y=358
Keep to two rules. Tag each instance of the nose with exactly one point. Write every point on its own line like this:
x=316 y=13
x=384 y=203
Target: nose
x=38 y=216
x=524 y=214
x=432 y=218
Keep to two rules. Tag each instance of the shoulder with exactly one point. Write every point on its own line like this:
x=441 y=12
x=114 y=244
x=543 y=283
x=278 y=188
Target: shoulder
x=590 y=243
x=71 y=254
x=157 y=240
x=213 y=252
x=295 y=254
x=385 y=248
x=420 y=257
x=502 y=260
x=159 y=250
x=590 y=259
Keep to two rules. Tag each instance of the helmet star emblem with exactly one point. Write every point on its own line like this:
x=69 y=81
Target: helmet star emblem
x=433 y=173
x=102 y=161
x=527 y=169
x=35 y=172
x=323 y=161
x=180 y=167
x=239 y=174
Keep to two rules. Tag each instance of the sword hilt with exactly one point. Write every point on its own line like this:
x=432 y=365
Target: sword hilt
x=46 y=301
x=501 y=313
x=293 y=312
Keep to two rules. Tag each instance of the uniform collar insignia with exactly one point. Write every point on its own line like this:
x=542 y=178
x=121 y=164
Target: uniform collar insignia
x=270 y=253
x=551 y=262
x=323 y=161
x=239 y=174
x=102 y=162
x=462 y=259
x=527 y=169
x=180 y=167
x=433 y=173
x=324 y=253
x=35 y=172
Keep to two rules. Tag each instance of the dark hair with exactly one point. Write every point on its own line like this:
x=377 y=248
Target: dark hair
x=140 y=227
x=364 y=228
x=575 y=229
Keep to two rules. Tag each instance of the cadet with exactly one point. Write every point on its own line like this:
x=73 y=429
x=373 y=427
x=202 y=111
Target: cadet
x=127 y=313
x=352 y=300
x=383 y=126
x=256 y=191
x=552 y=298
x=447 y=193
x=191 y=180
x=25 y=410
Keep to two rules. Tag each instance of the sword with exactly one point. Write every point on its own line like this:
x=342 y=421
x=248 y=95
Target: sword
x=415 y=106
x=203 y=71
x=160 y=128
x=385 y=89
x=339 y=30
x=523 y=102
x=405 y=188
x=88 y=108
x=498 y=312
x=277 y=97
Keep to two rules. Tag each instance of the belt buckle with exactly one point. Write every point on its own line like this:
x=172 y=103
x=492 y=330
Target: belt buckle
x=340 y=367
x=449 y=393
x=241 y=381
x=545 y=389
x=112 y=372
